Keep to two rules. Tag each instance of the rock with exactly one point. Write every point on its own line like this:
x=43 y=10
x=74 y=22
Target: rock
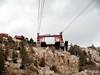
x=65 y=63
x=88 y=72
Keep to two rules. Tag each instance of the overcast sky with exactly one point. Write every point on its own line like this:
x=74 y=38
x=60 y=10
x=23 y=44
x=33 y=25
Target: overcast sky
x=20 y=17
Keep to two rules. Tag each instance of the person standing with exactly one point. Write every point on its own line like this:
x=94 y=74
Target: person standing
x=62 y=45
x=66 y=45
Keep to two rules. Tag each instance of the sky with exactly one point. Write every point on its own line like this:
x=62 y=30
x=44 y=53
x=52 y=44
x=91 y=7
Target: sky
x=20 y=17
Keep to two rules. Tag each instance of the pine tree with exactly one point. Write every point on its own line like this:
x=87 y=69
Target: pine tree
x=14 y=56
x=24 y=55
x=31 y=42
x=92 y=47
x=11 y=42
x=2 y=61
x=1 y=39
x=76 y=50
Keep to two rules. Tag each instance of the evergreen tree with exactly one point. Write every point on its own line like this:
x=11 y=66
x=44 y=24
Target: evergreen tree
x=76 y=50
x=14 y=56
x=31 y=42
x=1 y=39
x=24 y=56
x=11 y=42
x=2 y=61
x=92 y=47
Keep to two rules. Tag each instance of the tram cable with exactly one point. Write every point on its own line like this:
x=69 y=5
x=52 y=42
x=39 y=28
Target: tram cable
x=77 y=16
x=41 y=4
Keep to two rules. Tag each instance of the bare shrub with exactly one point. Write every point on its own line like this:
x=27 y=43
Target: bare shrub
x=42 y=62
x=54 y=68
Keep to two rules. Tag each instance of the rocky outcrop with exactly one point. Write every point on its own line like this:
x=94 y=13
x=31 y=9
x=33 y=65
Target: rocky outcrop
x=62 y=62
x=88 y=72
x=93 y=55
x=46 y=61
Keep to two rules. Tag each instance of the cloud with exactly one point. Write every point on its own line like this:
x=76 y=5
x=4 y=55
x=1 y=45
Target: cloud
x=20 y=17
